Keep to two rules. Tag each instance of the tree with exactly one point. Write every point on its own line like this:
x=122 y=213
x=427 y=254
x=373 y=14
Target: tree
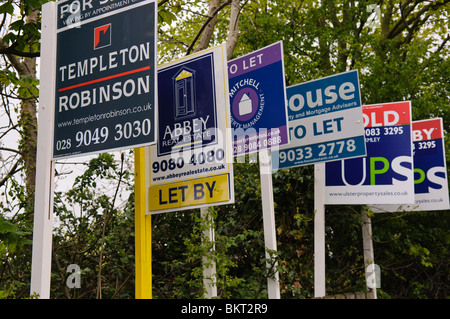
x=20 y=47
x=401 y=51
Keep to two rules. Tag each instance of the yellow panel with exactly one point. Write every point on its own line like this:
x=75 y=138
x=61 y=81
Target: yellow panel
x=200 y=191
x=143 y=228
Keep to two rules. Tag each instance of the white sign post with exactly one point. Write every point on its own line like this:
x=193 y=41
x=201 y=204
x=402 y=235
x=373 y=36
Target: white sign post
x=326 y=123
x=319 y=230
x=259 y=122
x=43 y=206
x=369 y=257
x=270 y=239
x=209 y=265
x=74 y=35
x=375 y=178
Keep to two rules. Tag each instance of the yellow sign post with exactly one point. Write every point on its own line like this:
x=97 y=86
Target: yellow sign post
x=143 y=228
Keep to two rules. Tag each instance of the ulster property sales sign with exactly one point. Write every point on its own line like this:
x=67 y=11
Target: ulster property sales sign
x=385 y=175
x=105 y=75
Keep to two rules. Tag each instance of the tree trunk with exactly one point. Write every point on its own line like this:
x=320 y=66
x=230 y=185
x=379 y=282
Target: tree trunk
x=208 y=31
x=27 y=119
x=233 y=29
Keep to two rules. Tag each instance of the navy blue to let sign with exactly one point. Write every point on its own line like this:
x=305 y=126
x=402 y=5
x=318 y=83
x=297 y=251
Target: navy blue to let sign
x=105 y=76
x=257 y=98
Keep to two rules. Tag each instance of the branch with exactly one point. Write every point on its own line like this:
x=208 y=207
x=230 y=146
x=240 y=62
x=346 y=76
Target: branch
x=11 y=172
x=162 y=2
x=12 y=59
x=13 y=51
x=3 y=134
x=443 y=43
x=10 y=150
x=210 y=17
x=402 y=24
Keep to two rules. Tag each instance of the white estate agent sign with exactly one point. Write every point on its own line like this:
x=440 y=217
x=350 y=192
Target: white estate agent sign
x=430 y=169
x=385 y=175
x=325 y=121
x=191 y=165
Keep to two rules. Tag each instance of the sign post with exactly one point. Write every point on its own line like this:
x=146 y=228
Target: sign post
x=259 y=122
x=319 y=231
x=369 y=256
x=43 y=205
x=143 y=227
x=209 y=265
x=270 y=240
x=384 y=176
x=325 y=123
x=98 y=92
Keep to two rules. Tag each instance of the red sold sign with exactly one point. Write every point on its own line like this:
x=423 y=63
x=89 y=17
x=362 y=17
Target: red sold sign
x=388 y=114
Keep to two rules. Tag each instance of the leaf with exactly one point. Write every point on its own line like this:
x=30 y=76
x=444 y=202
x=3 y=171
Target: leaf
x=17 y=25
x=6 y=227
x=165 y=16
x=7 y=8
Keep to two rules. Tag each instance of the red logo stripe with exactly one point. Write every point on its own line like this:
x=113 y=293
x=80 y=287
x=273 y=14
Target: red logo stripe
x=145 y=68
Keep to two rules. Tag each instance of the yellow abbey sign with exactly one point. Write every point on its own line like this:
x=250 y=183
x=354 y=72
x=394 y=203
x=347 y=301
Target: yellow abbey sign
x=194 y=192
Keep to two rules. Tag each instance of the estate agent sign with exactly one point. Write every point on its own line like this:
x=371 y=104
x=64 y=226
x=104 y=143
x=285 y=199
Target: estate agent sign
x=325 y=121
x=385 y=175
x=191 y=165
x=430 y=169
x=258 y=100
x=105 y=76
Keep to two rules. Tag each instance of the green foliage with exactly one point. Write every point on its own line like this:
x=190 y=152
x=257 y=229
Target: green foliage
x=11 y=237
x=95 y=224
x=414 y=250
x=94 y=233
